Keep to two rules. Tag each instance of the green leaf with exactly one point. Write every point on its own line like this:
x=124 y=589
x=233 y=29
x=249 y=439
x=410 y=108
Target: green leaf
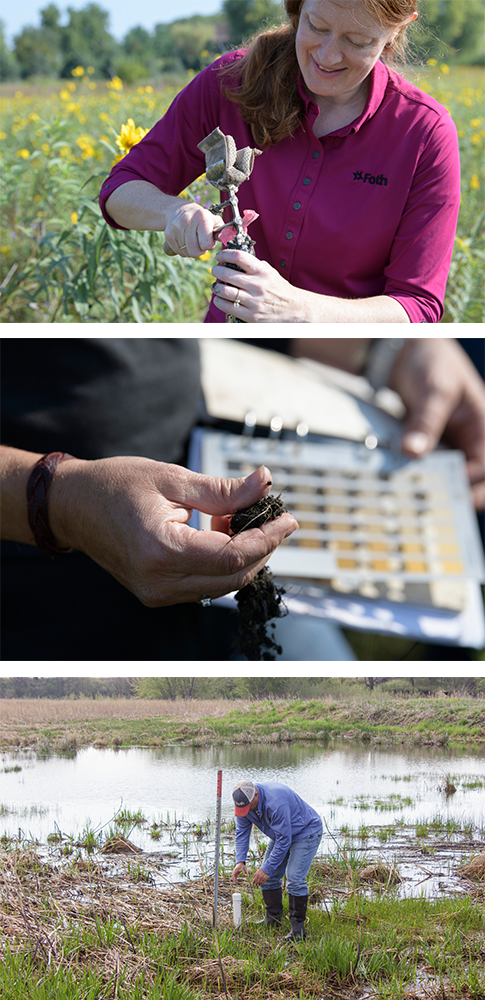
x=135 y=308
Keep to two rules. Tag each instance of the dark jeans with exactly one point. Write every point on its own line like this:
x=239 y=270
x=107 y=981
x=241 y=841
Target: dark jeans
x=296 y=865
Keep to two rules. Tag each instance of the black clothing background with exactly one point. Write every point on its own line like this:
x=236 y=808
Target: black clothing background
x=95 y=398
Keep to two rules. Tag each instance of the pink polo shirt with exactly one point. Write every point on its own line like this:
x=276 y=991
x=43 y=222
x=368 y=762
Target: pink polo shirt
x=369 y=209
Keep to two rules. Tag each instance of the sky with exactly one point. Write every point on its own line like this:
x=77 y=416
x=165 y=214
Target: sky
x=123 y=15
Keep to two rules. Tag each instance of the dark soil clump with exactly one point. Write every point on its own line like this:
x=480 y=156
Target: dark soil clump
x=259 y=513
x=259 y=601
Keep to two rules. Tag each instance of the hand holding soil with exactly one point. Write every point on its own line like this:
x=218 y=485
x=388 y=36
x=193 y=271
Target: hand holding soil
x=130 y=515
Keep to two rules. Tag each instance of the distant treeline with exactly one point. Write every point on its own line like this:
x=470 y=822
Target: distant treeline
x=206 y=688
x=54 y=49
x=450 y=30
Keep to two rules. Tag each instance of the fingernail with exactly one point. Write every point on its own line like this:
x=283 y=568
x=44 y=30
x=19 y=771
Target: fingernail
x=416 y=441
x=259 y=477
x=293 y=528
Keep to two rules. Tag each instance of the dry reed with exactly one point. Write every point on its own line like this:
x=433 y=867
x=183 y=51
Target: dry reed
x=40 y=899
x=44 y=710
x=83 y=915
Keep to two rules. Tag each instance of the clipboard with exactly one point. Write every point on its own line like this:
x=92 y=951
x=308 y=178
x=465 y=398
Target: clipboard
x=386 y=543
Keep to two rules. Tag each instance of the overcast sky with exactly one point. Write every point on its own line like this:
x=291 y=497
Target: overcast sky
x=123 y=13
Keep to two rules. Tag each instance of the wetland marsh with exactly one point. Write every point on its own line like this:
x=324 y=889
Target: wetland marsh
x=396 y=912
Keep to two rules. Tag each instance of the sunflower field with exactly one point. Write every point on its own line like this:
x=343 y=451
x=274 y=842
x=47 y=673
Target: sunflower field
x=61 y=263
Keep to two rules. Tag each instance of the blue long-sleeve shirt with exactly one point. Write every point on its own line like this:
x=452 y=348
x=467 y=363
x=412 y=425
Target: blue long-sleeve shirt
x=282 y=816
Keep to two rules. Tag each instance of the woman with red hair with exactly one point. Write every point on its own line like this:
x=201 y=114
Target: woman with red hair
x=358 y=187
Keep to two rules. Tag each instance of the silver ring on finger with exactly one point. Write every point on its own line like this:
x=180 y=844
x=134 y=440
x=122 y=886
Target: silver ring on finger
x=205 y=601
x=236 y=300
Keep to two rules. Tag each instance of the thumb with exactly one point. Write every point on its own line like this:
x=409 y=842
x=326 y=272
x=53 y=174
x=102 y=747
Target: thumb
x=426 y=422
x=214 y=495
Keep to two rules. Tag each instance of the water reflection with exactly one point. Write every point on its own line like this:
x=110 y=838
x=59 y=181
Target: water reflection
x=348 y=784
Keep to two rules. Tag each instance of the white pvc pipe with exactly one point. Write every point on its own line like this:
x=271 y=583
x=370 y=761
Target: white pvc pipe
x=236 y=908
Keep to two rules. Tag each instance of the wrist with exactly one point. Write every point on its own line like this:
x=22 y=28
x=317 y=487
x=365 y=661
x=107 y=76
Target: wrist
x=15 y=468
x=179 y=206
x=65 y=504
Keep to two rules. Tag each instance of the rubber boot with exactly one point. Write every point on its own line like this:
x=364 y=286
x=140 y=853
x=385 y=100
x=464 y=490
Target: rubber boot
x=273 y=901
x=297 y=914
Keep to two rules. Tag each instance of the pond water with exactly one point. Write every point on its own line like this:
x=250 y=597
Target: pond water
x=360 y=791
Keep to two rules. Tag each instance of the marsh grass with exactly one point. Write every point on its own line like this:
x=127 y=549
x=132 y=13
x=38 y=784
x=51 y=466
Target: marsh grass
x=81 y=932
x=376 y=718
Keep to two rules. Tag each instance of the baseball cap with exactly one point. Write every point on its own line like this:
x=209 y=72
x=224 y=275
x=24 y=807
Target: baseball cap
x=243 y=794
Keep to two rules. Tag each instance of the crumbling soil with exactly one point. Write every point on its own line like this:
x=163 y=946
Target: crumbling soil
x=259 y=601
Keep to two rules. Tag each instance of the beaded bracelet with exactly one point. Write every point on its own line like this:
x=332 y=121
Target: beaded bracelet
x=38 y=485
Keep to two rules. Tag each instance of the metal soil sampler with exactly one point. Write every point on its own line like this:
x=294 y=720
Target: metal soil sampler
x=226 y=169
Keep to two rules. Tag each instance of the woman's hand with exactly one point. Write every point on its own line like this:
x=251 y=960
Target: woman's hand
x=140 y=205
x=130 y=515
x=264 y=296
x=445 y=397
x=189 y=228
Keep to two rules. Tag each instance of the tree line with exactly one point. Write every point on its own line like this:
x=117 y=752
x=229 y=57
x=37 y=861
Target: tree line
x=450 y=30
x=54 y=49
x=233 y=688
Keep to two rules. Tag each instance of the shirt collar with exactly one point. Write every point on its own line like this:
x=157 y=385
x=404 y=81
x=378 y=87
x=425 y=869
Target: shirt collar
x=260 y=805
x=378 y=80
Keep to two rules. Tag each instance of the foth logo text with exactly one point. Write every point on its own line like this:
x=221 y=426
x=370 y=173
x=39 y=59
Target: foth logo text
x=370 y=178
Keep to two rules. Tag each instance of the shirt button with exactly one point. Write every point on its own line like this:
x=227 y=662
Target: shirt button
x=307 y=180
x=282 y=263
x=289 y=236
x=316 y=155
x=297 y=205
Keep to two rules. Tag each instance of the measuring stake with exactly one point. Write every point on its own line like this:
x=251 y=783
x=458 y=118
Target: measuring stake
x=218 y=843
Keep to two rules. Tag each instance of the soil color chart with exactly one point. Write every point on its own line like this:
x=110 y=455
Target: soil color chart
x=372 y=523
